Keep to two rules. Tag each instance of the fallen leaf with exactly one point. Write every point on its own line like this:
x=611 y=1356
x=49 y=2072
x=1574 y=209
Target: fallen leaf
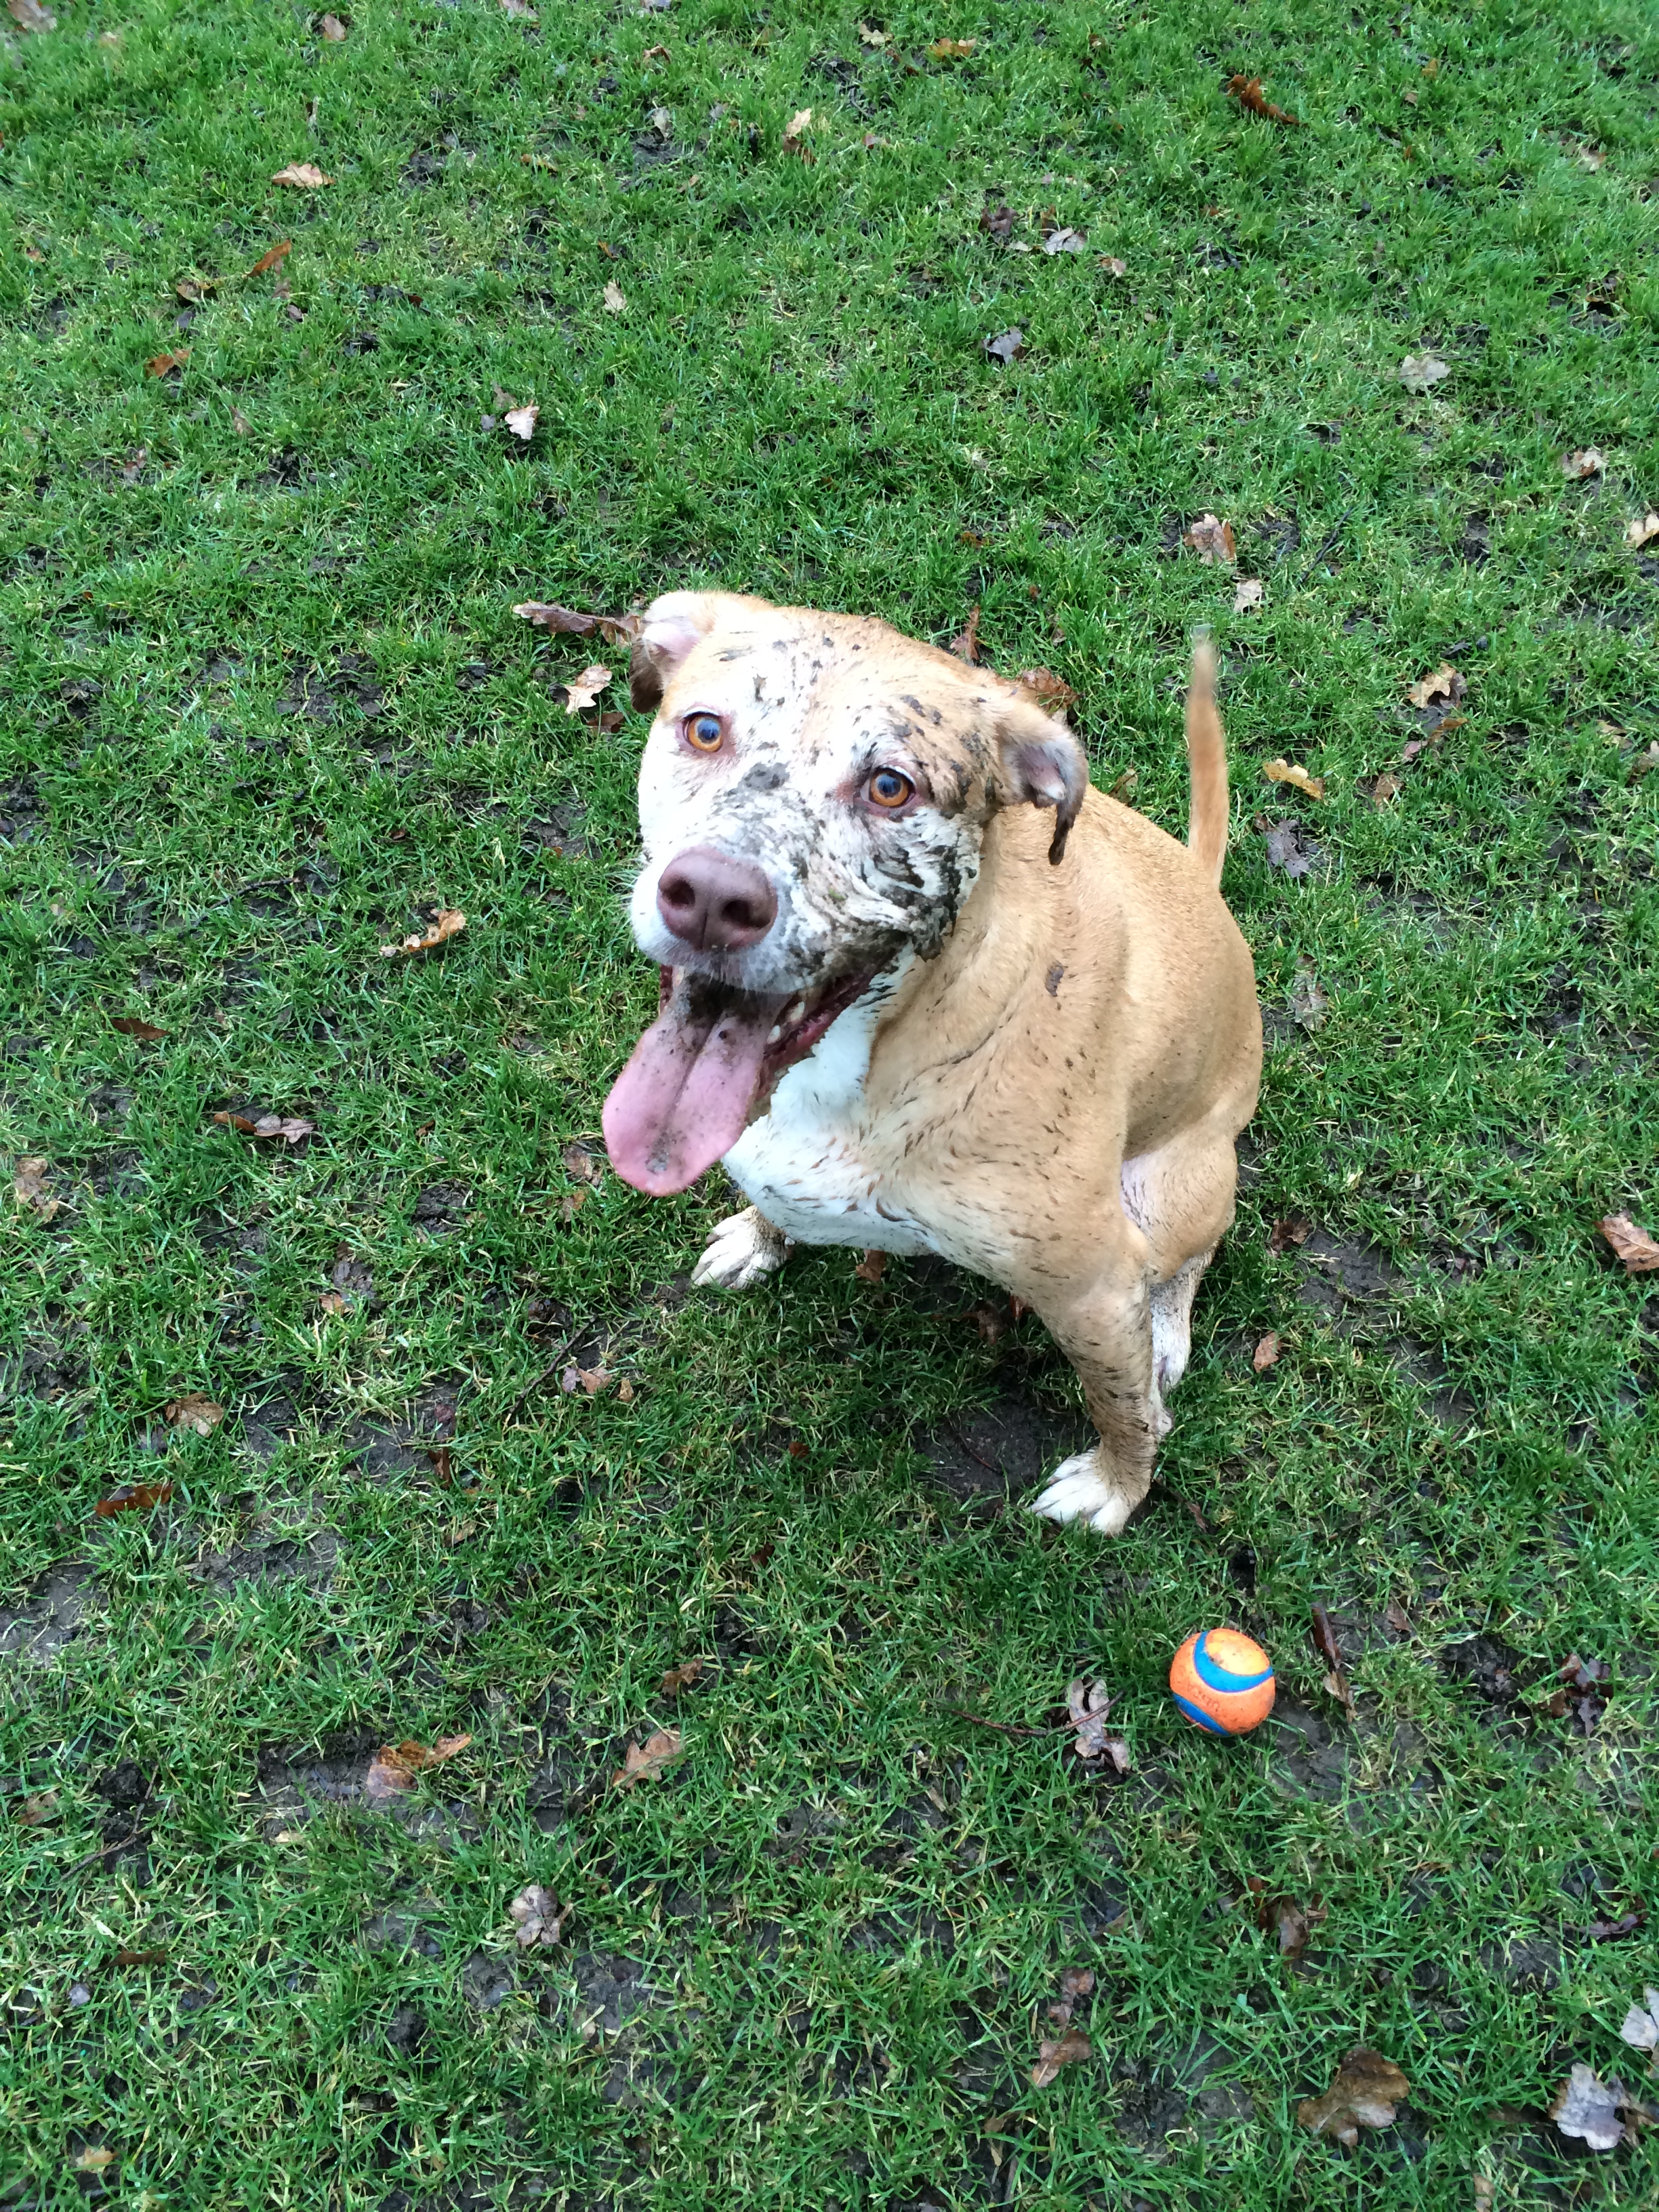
x=1006 y=346
x=394 y=1765
x=1284 y=771
x=1418 y=371
x=1638 y=1251
x=443 y=1464
x=93 y=2159
x=1266 y=1354
x=29 y=1185
x=680 y=1678
x=1367 y=2088
x=1075 y=1982
x=1610 y=1931
x=1336 y=1683
x=614 y=630
x=280 y=252
x=1589 y=462
x=1446 y=683
x=240 y=423
x=1279 y=1915
x=872 y=1268
x=591 y=1380
x=199 y=1415
x=1309 y=1004
x=520 y=11
x=1641 y=2027
x=303 y=176
x=950 y=50
x=291 y=1129
x=133 y=1498
x=1045 y=686
x=1397 y=1617
x=643 y=1762
x=1111 y=264
x=1247 y=91
x=1065 y=240
x=130 y=1025
x=163 y=364
x=1642 y=530
x=331 y=29
x=1212 y=541
x=799 y=122
x=36 y=1811
x=583 y=1164
x=1289 y=848
x=522 y=420
x=1249 y=592
x=1587 y=2108
x=30 y=15
x=537 y=1917
x=869 y=36
x=1068 y=2051
x=997 y=222
x=193 y=291
x=991 y=1321
x=446 y=923
x=152 y=1956
x=1590 y=158
x=1088 y=1705
x=572 y=1204
x=965 y=646
x=1293 y=1228
x=1385 y=789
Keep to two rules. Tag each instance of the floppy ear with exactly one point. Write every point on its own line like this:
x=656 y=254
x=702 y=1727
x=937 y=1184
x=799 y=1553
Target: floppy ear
x=669 y=627
x=1044 y=762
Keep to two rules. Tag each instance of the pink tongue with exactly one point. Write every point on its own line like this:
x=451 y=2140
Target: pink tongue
x=682 y=1099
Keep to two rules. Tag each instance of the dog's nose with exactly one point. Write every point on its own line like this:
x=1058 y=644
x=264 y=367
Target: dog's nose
x=715 y=903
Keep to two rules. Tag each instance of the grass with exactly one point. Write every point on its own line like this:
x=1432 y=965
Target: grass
x=266 y=705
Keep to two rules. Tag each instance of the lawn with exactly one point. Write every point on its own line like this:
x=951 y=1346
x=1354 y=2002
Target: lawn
x=266 y=710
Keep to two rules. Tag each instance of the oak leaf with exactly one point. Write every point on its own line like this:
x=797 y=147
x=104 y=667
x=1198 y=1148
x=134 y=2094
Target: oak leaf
x=965 y=644
x=446 y=923
x=644 y=1762
x=1638 y=1251
x=1588 y=461
x=1266 y=1354
x=1045 y=686
x=537 y=1917
x=1064 y=239
x=1247 y=91
x=1068 y=2050
x=395 y=1765
x=1367 y=2089
x=582 y=690
x=1249 y=592
x=798 y=123
x=1587 y=2108
x=952 y=50
x=1642 y=530
x=163 y=364
x=1641 y=2027
x=1111 y=264
x=331 y=29
x=872 y=1268
x=291 y=1129
x=1420 y=372
x=1212 y=540
x=29 y=1185
x=302 y=176
x=280 y=252
x=546 y=614
x=1446 y=683
x=681 y=1677
x=200 y=1416
x=1006 y=346
x=522 y=420
x=30 y=15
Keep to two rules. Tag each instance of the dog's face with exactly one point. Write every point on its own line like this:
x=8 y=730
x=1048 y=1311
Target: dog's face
x=812 y=800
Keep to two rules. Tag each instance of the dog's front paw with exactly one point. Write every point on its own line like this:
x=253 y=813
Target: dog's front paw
x=1085 y=1488
x=743 y=1248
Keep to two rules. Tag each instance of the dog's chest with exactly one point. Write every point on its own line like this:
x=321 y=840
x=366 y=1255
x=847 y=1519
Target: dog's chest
x=814 y=1164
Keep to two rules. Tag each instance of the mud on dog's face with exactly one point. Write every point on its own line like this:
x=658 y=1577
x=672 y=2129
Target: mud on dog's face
x=812 y=799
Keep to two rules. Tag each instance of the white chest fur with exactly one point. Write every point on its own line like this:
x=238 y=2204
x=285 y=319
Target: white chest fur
x=810 y=1163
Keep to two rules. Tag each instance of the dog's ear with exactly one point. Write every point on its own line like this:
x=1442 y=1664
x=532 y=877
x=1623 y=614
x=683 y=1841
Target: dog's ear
x=1044 y=762
x=669 y=629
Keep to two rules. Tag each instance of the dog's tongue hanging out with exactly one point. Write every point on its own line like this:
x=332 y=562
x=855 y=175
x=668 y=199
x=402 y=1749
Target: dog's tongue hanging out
x=684 y=1098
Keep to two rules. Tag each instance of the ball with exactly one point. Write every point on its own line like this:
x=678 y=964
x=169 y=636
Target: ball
x=1223 y=1681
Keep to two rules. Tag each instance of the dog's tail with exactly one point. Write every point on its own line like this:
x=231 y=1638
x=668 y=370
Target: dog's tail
x=1206 y=766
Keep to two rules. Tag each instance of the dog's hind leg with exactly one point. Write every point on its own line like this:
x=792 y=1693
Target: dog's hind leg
x=742 y=1248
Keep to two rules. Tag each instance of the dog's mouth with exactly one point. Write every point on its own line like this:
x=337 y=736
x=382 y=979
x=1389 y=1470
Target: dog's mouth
x=705 y=1067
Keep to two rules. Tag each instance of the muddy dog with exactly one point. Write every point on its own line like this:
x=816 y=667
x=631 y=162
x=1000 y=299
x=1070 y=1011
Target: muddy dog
x=925 y=990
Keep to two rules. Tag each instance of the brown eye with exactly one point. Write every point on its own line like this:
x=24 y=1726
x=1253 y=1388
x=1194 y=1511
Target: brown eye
x=704 y=732
x=888 y=788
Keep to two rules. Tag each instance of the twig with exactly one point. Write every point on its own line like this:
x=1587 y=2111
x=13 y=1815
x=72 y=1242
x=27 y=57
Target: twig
x=547 y=1373
x=1008 y=1728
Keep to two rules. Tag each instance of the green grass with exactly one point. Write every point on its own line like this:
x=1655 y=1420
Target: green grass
x=835 y=1923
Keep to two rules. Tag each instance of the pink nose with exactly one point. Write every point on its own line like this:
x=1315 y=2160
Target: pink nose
x=715 y=903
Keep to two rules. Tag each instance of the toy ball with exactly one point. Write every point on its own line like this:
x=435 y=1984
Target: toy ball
x=1223 y=1681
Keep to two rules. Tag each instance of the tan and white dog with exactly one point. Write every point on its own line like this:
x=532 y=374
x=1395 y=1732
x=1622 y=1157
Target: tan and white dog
x=907 y=1012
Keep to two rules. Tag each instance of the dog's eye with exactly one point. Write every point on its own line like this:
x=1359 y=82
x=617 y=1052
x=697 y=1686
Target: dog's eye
x=703 y=732
x=888 y=788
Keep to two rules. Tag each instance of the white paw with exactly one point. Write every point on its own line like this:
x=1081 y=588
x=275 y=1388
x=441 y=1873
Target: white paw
x=742 y=1248
x=1076 y=1491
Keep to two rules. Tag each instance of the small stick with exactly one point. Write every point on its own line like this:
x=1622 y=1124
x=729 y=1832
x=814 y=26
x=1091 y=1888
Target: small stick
x=1007 y=1728
x=547 y=1373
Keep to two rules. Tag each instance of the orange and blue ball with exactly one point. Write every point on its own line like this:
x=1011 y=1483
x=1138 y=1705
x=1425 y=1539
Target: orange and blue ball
x=1223 y=1681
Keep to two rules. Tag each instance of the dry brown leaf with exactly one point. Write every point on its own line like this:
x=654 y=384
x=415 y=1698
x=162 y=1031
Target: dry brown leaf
x=152 y=1955
x=288 y=1128
x=522 y=420
x=582 y=690
x=1247 y=91
x=1633 y=1245
x=1590 y=158
x=1284 y=771
x=133 y=1498
x=1309 y=1004
x=681 y=1677
x=29 y=1185
x=1294 y=1228
x=1640 y=2030
x=591 y=1380
x=30 y=15
x=1075 y=1982
x=869 y=36
x=36 y=1811
x=1587 y=2108
x=94 y=2158
x=572 y=1204
x=799 y=122
x=1447 y=683
x=1249 y=593
x=280 y=252
x=332 y=1302
x=1212 y=541
x=1279 y=1915
x=446 y=923
x=131 y=1025
x=1064 y=239
x=1043 y=684
x=520 y=10
x=1385 y=789
x=240 y=423
x=1006 y=346
x=537 y=1918
x=163 y=364
x=1588 y=461
x=616 y=301
x=302 y=176
x=1336 y=1684
x=1420 y=372
x=1266 y=1354
x=331 y=29
x=872 y=1268
x=192 y=290
x=199 y=1415
x=1643 y=530
x=1088 y=1706
x=394 y=1765
x=643 y=1762
x=1069 y=2049
x=656 y=54
x=965 y=646
x=1397 y=1617
x=952 y=50
x=583 y=1164
x=1364 y=2094
x=1111 y=264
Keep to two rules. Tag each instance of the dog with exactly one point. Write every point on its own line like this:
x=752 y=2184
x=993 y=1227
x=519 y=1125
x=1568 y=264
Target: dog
x=924 y=989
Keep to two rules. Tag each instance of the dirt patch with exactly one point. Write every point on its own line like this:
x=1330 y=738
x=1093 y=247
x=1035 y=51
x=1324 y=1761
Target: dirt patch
x=272 y=1550
x=1339 y=1278
x=55 y=1612
x=982 y=1459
